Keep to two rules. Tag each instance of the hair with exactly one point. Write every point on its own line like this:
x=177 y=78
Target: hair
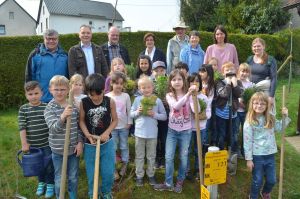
x=117 y=59
x=223 y=30
x=50 y=32
x=94 y=83
x=171 y=76
x=31 y=85
x=213 y=59
x=59 y=80
x=86 y=26
x=144 y=79
x=149 y=34
x=115 y=76
x=192 y=78
x=181 y=65
x=76 y=78
x=244 y=67
x=210 y=75
x=265 y=55
x=228 y=64
x=251 y=115
x=194 y=33
x=139 y=71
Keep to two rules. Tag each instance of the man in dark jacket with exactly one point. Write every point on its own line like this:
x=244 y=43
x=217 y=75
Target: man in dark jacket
x=86 y=58
x=45 y=61
x=113 y=49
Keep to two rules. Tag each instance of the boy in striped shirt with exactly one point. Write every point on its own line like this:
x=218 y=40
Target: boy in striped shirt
x=34 y=132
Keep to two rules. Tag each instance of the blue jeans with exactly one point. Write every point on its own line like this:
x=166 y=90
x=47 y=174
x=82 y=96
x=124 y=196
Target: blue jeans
x=194 y=148
x=223 y=133
x=72 y=173
x=264 y=165
x=240 y=120
x=107 y=166
x=183 y=139
x=120 y=137
x=47 y=175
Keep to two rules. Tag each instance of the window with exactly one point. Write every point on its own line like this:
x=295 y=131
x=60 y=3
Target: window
x=110 y=25
x=11 y=15
x=90 y=23
x=2 y=29
x=41 y=27
x=46 y=23
x=43 y=10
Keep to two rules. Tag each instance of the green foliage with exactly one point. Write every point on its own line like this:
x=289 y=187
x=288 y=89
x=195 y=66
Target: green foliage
x=247 y=94
x=161 y=86
x=131 y=71
x=130 y=87
x=148 y=103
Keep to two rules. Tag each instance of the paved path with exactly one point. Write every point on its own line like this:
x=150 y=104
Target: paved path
x=295 y=142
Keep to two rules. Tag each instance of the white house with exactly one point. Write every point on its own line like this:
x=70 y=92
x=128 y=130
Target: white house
x=293 y=7
x=66 y=16
x=14 y=20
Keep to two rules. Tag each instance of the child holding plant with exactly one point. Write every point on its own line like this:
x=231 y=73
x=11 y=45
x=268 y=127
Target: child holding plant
x=146 y=110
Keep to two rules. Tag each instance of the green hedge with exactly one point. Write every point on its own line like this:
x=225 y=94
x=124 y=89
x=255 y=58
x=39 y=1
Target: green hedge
x=15 y=50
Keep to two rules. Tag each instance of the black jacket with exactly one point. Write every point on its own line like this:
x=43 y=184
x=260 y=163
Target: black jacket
x=123 y=53
x=159 y=55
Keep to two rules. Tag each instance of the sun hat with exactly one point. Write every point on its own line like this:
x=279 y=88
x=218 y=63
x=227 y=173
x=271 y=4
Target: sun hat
x=158 y=64
x=180 y=24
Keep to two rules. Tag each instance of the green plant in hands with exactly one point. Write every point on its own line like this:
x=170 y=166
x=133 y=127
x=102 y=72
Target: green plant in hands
x=161 y=86
x=131 y=71
x=148 y=103
x=130 y=86
x=217 y=75
x=247 y=94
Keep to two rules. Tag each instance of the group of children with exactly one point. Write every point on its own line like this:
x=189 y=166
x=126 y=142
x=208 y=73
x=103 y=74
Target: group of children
x=106 y=113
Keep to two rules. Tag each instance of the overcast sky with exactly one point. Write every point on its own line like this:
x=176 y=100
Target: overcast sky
x=152 y=15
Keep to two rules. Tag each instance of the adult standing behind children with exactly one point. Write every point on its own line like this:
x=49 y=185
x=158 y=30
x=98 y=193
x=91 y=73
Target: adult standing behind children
x=113 y=48
x=175 y=44
x=193 y=55
x=86 y=57
x=221 y=49
x=45 y=61
x=154 y=53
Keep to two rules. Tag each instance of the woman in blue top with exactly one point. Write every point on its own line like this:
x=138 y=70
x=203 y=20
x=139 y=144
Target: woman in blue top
x=193 y=55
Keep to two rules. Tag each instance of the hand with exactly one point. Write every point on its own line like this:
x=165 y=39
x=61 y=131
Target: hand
x=285 y=111
x=104 y=137
x=78 y=149
x=234 y=81
x=91 y=138
x=25 y=147
x=67 y=112
x=192 y=88
x=140 y=109
x=250 y=165
x=150 y=113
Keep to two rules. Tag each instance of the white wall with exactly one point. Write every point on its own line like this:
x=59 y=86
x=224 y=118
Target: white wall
x=22 y=24
x=42 y=22
x=295 y=18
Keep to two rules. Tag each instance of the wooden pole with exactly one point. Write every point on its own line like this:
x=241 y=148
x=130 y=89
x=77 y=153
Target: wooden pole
x=282 y=147
x=66 y=152
x=199 y=143
x=96 y=173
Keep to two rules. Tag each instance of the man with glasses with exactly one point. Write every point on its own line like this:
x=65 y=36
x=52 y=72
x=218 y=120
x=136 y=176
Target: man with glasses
x=45 y=61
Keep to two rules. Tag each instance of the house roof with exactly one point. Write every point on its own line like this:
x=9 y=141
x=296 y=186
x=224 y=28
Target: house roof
x=81 y=8
x=20 y=7
x=289 y=4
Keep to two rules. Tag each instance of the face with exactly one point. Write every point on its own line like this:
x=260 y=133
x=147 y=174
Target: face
x=214 y=64
x=146 y=89
x=85 y=35
x=33 y=96
x=59 y=93
x=258 y=48
x=244 y=74
x=228 y=70
x=220 y=36
x=144 y=65
x=159 y=71
x=113 y=35
x=180 y=32
x=184 y=71
x=118 y=86
x=118 y=66
x=194 y=40
x=96 y=98
x=51 y=42
x=149 y=42
x=259 y=106
x=177 y=82
x=203 y=75
x=77 y=87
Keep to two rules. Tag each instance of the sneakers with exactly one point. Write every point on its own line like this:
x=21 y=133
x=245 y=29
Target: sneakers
x=163 y=187
x=152 y=181
x=123 y=169
x=49 y=191
x=139 y=182
x=116 y=175
x=40 y=189
x=189 y=176
x=265 y=195
x=178 y=186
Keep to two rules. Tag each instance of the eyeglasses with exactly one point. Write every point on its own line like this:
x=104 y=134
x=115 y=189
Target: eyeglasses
x=59 y=90
x=259 y=104
x=51 y=38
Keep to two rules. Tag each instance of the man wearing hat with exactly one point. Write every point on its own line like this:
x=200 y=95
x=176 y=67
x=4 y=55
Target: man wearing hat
x=175 y=44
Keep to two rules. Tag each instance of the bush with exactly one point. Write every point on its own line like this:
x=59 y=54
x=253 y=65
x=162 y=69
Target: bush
x=14 y=52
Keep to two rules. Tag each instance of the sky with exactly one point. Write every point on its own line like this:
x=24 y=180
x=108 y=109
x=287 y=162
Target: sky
x=152 y=15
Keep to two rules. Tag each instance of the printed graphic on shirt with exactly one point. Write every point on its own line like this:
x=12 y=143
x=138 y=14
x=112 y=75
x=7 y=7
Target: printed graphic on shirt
x=181 y=116
x=95 y=117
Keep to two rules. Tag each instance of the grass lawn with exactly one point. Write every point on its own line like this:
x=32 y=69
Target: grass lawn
x=12 y=181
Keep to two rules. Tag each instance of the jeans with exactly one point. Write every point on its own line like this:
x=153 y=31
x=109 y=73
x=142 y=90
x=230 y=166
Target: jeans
x=193 y=148
x=223 y=133
x=47 y=175
x=264 y=165
x=120 y=137
x=107 y=166
x=240 y=120
x=182 y=138
x=161 y=139
x=72 y=174
x=142 y=144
